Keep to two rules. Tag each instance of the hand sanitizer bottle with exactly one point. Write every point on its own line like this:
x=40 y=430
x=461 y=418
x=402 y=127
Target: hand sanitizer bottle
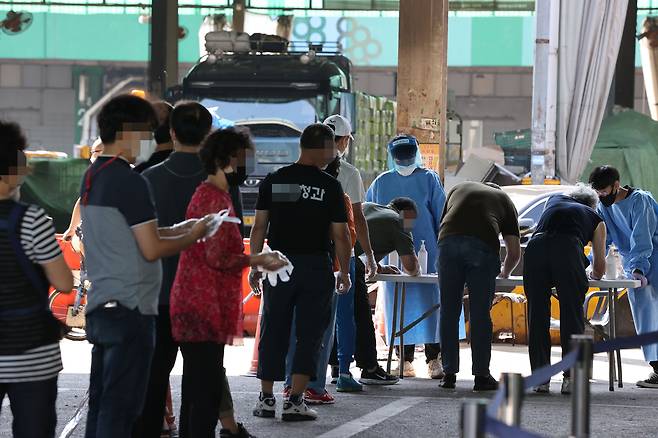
x=422 y=258
x=611 y=264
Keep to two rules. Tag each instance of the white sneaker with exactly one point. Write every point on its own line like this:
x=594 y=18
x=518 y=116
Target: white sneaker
x=435 y=368
x=265 y=407
x=408 y=370
x=566 y=386
x=298 y=412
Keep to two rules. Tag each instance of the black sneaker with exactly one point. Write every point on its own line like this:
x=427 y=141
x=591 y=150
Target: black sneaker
x=487 y=383
x=242 y=433
x=651 y=382
x=334 y=374
x=449 y=381
x=378 y=377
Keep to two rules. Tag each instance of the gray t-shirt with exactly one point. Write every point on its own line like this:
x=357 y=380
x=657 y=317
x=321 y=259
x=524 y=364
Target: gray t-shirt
x=116 y=201
x=386 y=232
x=350 y=178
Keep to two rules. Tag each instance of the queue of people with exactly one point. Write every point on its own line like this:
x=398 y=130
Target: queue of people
x=163 y=280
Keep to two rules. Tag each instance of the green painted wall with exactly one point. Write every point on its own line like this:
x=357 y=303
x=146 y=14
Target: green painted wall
x=368 y=40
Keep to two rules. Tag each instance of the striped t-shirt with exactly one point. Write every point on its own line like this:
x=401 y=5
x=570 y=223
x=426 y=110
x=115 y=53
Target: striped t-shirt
x=39 y=244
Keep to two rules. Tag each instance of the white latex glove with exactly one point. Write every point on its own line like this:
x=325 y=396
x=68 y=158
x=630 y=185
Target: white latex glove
x=217 y=221
x=273 y=276
x=283 y=274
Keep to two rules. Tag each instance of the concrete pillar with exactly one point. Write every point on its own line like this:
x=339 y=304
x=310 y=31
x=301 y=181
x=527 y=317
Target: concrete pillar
x=239 y=8
x=544 y=90
x=422 y=81
x=163 y=60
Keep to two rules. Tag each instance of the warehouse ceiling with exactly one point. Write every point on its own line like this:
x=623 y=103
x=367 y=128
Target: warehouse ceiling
x=341 y=5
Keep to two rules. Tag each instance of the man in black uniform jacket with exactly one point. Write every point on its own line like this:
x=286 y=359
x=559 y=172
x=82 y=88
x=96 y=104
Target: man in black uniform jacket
x=304 y=209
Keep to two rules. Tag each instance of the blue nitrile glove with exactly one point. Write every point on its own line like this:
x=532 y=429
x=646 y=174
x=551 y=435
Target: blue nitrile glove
x=637 y=275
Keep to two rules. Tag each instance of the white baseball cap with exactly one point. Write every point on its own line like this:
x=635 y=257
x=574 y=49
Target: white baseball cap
x=340 y=125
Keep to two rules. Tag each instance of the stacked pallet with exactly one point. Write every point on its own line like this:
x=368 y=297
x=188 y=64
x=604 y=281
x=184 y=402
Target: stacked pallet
x=375 y=126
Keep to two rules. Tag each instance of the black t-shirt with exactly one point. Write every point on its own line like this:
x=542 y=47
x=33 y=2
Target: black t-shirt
x=173 y=182
x=156 y=158
x=565 y=215
x=303 y=202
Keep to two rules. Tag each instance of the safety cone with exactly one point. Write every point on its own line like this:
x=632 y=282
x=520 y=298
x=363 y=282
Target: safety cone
x=254 y=356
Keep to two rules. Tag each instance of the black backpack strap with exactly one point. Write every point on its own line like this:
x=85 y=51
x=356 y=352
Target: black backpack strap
x=13 y=228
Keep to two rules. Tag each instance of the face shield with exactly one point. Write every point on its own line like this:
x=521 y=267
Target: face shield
x=404 y=155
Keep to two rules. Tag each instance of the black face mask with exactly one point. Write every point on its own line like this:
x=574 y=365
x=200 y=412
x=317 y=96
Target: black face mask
x=609 y=199
x=236 y=178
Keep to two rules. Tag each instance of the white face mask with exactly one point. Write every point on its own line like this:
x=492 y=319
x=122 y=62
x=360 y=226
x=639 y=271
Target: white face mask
x=146 y=149
x=405 y=170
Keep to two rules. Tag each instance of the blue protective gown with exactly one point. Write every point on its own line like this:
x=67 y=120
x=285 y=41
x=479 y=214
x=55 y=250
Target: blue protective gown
x=633 y=228
x=424 y=187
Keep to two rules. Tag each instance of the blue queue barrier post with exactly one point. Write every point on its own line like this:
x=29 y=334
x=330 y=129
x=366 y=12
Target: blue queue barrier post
x=580 y=395
x=510 y=409
x=473 y=418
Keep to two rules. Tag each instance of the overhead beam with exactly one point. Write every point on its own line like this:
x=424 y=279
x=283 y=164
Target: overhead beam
x=422 y=80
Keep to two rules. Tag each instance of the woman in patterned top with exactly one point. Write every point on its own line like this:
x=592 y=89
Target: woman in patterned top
x=30 y=261
x=206 y=298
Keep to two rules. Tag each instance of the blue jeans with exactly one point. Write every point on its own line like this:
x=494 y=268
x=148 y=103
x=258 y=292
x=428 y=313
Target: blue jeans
x=320 y=381
x=466 y=260
x=124 y=341
x=345 y=326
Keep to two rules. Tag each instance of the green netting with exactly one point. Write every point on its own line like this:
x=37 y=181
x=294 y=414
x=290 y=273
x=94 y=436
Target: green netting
x=629 y=142
x=54 y=185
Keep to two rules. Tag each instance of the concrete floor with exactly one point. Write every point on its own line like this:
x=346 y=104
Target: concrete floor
x=414 y=408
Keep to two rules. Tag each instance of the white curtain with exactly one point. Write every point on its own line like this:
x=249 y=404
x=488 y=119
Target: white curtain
x=590 y=34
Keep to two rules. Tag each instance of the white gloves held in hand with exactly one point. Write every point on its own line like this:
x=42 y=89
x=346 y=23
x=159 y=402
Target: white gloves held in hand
x=217 y=221
x=273 y=276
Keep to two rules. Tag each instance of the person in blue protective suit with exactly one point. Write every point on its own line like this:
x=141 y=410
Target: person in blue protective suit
x=408 y=179
x=631 y=216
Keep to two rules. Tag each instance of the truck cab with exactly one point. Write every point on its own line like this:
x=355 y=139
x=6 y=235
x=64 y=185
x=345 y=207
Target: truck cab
x=276 y=94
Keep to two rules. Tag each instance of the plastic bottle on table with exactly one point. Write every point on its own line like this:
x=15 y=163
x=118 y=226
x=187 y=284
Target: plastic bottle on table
x=611 y=264
x=422 y=258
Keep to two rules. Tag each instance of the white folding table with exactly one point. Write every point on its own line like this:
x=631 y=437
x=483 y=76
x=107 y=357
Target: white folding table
x=612 y=286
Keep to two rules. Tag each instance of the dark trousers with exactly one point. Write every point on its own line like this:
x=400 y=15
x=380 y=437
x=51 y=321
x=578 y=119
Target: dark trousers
x=309 y=293
x=203 y=377
x=466 y=260
x=33 y=407
x=558 y=261
x=123 y=342
x=365 y=347
x=149 y=424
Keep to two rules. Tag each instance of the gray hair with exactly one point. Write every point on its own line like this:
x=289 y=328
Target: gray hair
x=585 y=194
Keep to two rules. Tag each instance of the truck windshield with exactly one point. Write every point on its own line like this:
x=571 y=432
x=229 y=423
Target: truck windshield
x=275 y=127
x=300 y=113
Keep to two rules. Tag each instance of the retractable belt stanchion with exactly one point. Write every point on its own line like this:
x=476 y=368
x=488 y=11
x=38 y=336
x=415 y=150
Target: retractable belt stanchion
x=473 y=418
x=580 y=395
x=510 y=410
